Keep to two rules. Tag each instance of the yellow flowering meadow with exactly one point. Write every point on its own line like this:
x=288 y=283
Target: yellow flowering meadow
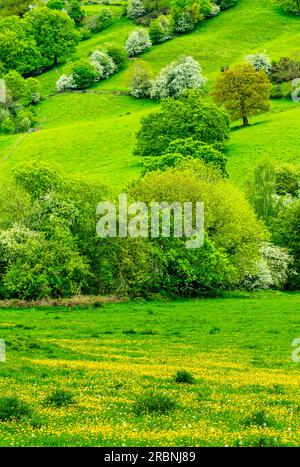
x=104 y=361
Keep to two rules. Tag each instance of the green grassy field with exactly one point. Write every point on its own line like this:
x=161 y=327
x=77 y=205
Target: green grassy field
x=94 y=133
x=238 y=349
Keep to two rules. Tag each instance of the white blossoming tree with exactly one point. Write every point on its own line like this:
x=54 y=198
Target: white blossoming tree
x=260 y=61
x=177 y=77
x=137 y=42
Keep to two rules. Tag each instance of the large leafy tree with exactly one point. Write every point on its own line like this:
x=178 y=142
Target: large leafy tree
x=54 y=32
x=290 y=5
x=243 y=91
x=18 y=50
x=186 y=117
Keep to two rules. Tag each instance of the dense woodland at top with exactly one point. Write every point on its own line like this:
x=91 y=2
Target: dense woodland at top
x=166 y=100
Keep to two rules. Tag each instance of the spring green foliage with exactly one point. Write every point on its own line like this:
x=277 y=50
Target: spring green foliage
x=243 y=91
x=290 y=5
x=54 y=33
x=286 y=232
x=187 y=117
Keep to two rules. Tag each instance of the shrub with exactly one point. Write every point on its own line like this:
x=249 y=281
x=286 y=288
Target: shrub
x=186 y=149
x=118 y=55
x=184 y=377
x=286 y=233
x=65 y=82
x=135 y=9
x=161 y=29
x=12 y=408
x=186 y=15
x=215 y=10
x=26 y=91
x=290 y=5
x=141 y=80
x=75 y=12
x=99 y=22
x=186 y=117
x=152 y=403
x=177 y=77
x=272 y=270
x=137 y=42
x=281 y=90
x=260 y=61
x=285 y=70
x=199 y=150
x=56 y=4
x=59 y=398
x=287 y=180
x=106 y=63
x=84 y=74
x=224 y=4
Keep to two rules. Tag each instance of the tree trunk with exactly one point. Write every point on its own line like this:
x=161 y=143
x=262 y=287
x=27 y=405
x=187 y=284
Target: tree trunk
x=55 y=60
x=245 y=121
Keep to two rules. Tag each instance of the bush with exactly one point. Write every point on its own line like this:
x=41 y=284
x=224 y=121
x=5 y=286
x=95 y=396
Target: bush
x=272 y=270
x=260 y=61
x=177 y=77
x=56 y=4
x=282 y=90
x=224 y=4
x=152 y=403
x=184 y=377
x=84 y=74
x=12 y=408
x=65 y=82
x=59 y=398
x=187 y=117
x=287 y=180
x=186 y=150
x=161 y=29
x=141 y=80
x=138 y=42
x=105 y=62
x=75 y=12
x=286 y=233
x=290 y=5
x=186 y=15
x=99 y=22
x=285 y=70
x=135 y=9
x=118 y=55
x=200 y=151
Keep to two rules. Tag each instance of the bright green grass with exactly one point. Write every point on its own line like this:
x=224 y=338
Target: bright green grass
x=252 y=25
x=238 y=349
x=274 y=135
x=116 y=33
x=84 y=133
x=91 y=10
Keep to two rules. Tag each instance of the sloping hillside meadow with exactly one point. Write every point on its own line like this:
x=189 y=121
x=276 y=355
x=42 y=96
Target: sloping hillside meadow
x=146 y=342
x=94 y=133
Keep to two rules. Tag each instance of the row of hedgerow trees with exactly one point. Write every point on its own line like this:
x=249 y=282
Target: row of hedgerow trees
x=49 y=246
